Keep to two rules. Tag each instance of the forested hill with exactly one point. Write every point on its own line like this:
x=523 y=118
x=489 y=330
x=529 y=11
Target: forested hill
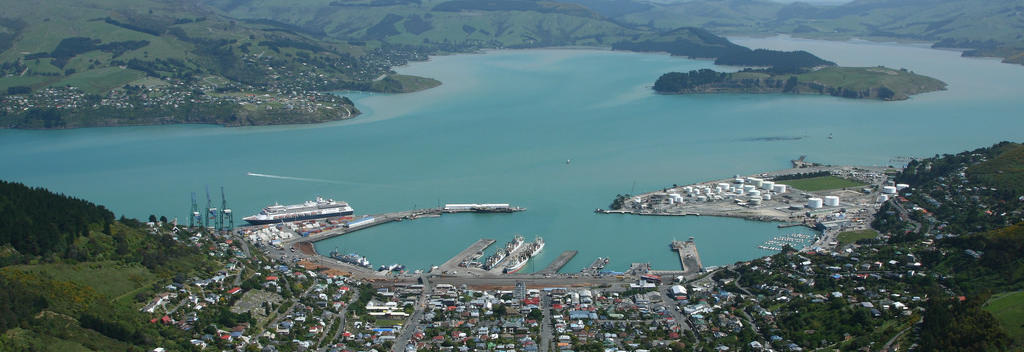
x=73 y=278
x=39 y=223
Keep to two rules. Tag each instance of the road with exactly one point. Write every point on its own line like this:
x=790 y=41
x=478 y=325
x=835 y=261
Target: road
x=904 y=214
x=888 y=344
x=290 y=309
x=414 y=321
x=342 y=315
x=546 y=335
x=676 y=314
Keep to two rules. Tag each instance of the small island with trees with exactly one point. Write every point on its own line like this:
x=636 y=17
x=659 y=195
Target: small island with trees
x=880 y=83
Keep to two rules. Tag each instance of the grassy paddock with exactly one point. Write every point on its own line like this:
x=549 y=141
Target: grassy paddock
x=110 y=279
x=848 y=237
x=1008 y=308
x=821 y=183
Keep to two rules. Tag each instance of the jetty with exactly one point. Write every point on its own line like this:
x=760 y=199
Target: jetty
x=596 y=266
x=467 y=254
x=481 y=208
x=559 y=262
x=689 y=259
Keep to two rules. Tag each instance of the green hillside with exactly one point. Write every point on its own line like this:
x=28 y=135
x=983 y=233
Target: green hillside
x=988 y=28
x=848 y=82
x=1004 y=171
x=69 y=64
x=454 y=25
x=76 y=281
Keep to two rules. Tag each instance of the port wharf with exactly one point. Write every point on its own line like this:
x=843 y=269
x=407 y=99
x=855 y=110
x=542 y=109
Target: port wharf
x=858 y=206
x=778 y=208
x=474 y=250
x=559 y=262
x=689 y=259
x=341 y=225
x=759 y=198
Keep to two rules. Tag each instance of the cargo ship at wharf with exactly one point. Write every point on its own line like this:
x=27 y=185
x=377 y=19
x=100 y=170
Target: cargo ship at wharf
x=312 y=209
x=502 y=253
x=351 y=258
x=520 y=260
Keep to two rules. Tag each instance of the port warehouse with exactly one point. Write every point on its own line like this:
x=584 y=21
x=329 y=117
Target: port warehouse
x=363 y=221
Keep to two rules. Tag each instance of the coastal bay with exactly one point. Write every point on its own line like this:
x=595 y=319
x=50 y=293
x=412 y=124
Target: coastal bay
x=463 y=141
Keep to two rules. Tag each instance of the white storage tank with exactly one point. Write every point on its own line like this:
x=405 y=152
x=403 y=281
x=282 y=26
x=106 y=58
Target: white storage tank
x=754 y=201
x=754 y=193
x=832 y=201
x=723 y=185
x=755 y=181
x=767 y=196
x=767 y=185
x=748 y=188
x=738 y=181
x=889 y=189
x=779 y=188
x=814 y=203
x=688 y=189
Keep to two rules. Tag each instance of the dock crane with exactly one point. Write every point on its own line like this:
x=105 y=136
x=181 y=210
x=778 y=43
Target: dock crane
x=194 y=218
x=227 y=219
x=211 y=212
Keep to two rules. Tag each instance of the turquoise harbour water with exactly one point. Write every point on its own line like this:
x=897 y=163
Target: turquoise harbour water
x=500 y=130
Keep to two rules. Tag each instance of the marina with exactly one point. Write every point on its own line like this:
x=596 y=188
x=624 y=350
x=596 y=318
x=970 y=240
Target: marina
x=797 y=241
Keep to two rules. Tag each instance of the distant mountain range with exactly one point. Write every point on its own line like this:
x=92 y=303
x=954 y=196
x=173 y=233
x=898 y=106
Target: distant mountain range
x=256 y=62
x=987 y=28
x=227 y=51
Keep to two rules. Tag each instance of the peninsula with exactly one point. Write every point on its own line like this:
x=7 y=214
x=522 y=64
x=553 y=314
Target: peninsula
x=880 y=83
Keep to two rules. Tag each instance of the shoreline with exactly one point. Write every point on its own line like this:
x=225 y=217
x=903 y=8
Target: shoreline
x=790 y=207
x=492 y=50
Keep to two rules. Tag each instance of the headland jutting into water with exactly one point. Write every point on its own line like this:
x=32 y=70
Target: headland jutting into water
x=771 y=196
x=768 y=196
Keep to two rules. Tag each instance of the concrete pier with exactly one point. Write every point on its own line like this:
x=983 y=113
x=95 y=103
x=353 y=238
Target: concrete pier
x=689 y=259
x=466 y=254
x=596 y=266
x=559 y=262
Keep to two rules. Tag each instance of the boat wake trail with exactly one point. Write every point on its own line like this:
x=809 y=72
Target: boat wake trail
x=320 y=180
